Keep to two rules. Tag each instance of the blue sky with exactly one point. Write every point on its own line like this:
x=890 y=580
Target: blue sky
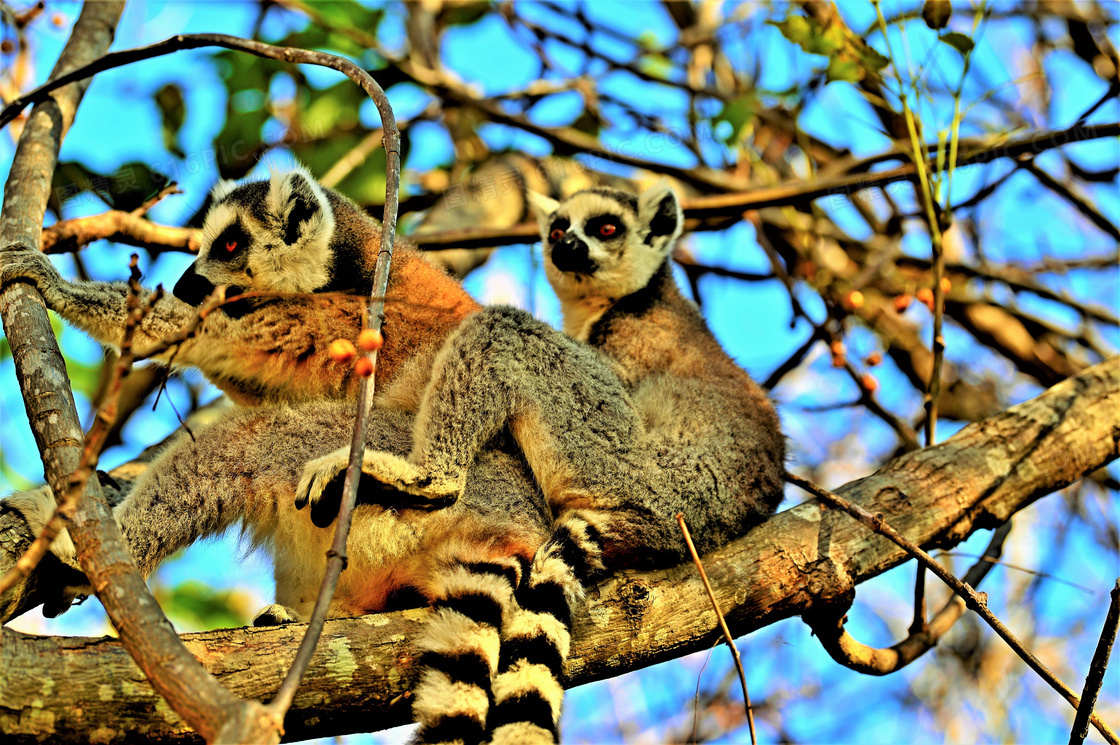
x=118 y=122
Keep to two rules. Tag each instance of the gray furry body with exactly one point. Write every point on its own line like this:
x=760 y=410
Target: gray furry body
x=646 y=418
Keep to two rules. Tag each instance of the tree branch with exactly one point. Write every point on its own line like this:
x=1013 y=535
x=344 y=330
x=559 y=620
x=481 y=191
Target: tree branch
x=810 y=554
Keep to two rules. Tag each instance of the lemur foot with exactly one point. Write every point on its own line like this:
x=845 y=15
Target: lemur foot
x=275 y=615
x=387 y=480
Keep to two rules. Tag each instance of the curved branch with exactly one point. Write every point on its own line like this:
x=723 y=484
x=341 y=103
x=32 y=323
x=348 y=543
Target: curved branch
x=828 y=625
x=810 y=554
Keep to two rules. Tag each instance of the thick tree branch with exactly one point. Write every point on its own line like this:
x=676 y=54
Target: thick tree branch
x=39 y=366
x=810 y=554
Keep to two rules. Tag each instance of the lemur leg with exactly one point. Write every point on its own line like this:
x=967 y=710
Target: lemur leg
x=536 y=634
x=503 y=367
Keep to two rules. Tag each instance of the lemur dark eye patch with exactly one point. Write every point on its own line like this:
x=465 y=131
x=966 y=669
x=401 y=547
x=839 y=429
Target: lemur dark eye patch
x=605 y=226
x=560 y=224
x=229 y=243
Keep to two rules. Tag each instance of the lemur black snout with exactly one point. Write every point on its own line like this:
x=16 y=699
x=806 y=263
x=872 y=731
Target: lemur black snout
x=192 y=288
x=570 y=254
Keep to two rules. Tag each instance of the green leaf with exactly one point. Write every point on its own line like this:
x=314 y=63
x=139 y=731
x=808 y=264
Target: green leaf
x=657 y=65
x=808 y=34
x=958 y=41
x=456 y=14
x=736 y=112
x=204 y=607
x=871 y=59
x=125 y=189
x=936 y=13
x=845 y=69
x=173 y=112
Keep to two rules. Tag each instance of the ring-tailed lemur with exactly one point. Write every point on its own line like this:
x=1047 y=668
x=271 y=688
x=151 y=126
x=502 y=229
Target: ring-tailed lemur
x=306 y=255
x=648 y=418
x=290 y=235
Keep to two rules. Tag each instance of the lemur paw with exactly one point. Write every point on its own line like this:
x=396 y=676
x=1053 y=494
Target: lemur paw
x=403 y=475
x=275 y=615
x=387 y=480
x=32 y=266
x=320 y=485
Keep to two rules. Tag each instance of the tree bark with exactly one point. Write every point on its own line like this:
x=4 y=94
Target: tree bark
x=78 y=690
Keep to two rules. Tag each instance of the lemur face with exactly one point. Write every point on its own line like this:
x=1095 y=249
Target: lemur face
x=606 y=242
x=273 y=235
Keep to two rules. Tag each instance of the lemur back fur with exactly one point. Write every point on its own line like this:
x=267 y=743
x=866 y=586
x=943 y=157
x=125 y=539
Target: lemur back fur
x=648 y=418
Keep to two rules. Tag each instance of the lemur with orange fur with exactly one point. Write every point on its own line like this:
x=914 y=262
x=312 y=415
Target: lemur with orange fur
x=297 y=261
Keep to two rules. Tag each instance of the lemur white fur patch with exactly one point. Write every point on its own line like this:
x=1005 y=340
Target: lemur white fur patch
x=523 y=677
x=222 y=189
x=620 y=272
x=303 y=266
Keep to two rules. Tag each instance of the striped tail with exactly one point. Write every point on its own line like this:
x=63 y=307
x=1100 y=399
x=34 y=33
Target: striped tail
x=536 y=633
x=459 y=652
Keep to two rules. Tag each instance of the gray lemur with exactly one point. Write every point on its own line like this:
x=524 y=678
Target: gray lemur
x=637 y=415
x=302 y=258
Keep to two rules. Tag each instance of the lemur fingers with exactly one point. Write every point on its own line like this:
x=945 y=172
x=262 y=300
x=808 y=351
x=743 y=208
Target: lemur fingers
x=387 y=480
x=409 y=478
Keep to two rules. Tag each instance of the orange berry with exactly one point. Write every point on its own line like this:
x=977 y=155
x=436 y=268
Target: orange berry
x=838 y=348
x=854 y=299
x=59 y=20
x=370 y=340
x=946 y=285
x=873 y=359
x=925 y=295
x=364 y=367
x=342 y=350
x=869 y=383
x=902 y=302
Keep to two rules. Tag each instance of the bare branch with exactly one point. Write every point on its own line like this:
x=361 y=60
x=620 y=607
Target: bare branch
x=937 y=497
x=1095 y=678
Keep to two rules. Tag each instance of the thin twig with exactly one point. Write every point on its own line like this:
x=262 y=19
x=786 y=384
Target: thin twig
x=722 y=624
x=975 y=601
x=1095 y=678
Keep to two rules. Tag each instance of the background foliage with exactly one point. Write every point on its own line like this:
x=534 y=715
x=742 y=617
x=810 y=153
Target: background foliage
x=818 y=298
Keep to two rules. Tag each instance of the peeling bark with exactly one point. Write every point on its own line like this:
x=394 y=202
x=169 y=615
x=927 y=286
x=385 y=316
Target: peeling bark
x=81 y=690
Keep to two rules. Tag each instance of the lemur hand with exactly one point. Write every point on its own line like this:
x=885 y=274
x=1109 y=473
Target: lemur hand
x=387 y=480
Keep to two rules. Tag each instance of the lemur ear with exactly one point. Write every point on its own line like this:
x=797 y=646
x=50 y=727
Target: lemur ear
x=221 y=190
x=659 y=208
x=293 y=200
x=542 y=206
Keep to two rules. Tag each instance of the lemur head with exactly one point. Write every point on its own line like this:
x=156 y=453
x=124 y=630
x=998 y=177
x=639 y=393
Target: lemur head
x=286 y=234
x=604 y=243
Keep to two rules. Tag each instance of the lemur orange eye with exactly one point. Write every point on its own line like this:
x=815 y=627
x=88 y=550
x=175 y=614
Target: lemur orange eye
x=231 y=246
x=607 y=230
x=556 y=234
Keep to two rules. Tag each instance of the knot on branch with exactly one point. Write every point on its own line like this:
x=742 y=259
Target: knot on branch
x=829 y=586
